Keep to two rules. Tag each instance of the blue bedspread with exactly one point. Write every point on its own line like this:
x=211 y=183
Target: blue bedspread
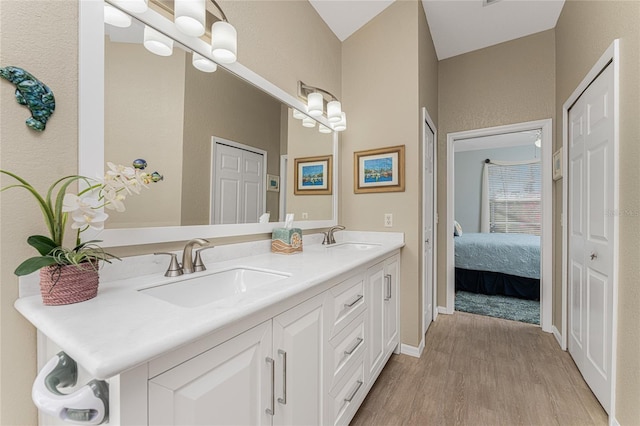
x=513 y=254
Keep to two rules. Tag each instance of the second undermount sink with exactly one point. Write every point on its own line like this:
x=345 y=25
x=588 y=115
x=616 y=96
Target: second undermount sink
x=192 y=291
x=353 y=246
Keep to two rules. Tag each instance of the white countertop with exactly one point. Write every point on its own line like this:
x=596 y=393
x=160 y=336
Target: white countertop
x=122 y=327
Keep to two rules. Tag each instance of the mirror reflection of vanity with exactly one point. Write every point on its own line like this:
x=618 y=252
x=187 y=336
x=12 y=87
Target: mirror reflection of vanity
x=174 y=116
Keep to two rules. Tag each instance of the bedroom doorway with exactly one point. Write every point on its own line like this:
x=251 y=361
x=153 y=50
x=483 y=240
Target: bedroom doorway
x=495 y=218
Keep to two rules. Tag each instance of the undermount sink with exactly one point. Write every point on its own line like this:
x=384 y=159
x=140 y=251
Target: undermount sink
x=192 y=291
x=353 y=246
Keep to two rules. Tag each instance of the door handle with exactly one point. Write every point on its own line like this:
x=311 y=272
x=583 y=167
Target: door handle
x=283 y=354
x=594 y=256
x=387 y=279
x=271 y=409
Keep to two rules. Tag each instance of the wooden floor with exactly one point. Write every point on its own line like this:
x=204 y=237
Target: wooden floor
x=479 y=370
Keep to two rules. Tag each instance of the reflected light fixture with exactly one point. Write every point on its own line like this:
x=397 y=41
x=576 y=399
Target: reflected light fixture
x=308 y=122
x=538 y=141
x=298 y=115
x=316 y=99
x=189 y=16
x=116 y=17
x=133 y=6
x=156 y=42
x=202 y=63
x=324 y=129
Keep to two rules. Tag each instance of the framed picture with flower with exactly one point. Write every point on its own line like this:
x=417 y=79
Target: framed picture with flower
x=312 y=175
x=379 y=170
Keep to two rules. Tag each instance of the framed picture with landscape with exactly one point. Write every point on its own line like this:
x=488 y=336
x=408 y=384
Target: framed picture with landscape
x=312 y=175
x=379 y=170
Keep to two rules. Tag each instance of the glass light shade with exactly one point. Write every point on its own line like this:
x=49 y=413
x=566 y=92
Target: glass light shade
x=308 y=122
x=324 y=129
x=116 y=17
x=341 y=125
x=157 y=43
x=134 y=6
x=190 y=16
x=334 y=111
x=315 y=103
x=298 y=115
x=202 y=63
x=224 y=42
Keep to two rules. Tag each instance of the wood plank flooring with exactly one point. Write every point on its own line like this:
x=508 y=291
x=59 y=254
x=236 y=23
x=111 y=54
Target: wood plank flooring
x=478 y=370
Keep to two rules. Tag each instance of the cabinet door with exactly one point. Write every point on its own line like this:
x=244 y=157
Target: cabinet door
x=391 y=303
x=375 y=289
x=298 y=345
x=227 y=385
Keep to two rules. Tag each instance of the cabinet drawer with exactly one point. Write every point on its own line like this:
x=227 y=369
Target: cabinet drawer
x=348 y=302
x=348 y=395
x=346 y=347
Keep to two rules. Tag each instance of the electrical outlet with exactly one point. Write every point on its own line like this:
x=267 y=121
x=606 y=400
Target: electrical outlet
x=388 y=220
x=305 y=215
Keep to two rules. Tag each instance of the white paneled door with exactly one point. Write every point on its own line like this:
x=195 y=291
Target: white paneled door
x=591 y=213
x=428 y=224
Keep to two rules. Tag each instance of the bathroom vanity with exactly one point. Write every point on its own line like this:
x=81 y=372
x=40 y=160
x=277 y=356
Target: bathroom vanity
x=303 y=347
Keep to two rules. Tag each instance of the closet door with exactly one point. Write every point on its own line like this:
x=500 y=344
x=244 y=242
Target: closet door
x=591 y=234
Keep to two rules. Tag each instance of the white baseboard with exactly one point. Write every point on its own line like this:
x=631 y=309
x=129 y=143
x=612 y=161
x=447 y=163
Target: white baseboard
x=442 y=310
x=557 y=335
x=412 y=350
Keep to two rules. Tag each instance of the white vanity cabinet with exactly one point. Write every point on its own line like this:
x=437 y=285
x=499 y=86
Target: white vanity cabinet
x=382 y=331
x=270 y=374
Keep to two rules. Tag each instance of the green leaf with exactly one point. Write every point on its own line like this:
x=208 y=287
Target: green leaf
x=43 y=244
x=33 y=264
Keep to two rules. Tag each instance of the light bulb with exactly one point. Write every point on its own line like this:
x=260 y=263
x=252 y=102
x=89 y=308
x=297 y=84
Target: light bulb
x=190 y=16
x=315 y=103
x=298 y=115
x=341 y=125
x=116 y=17
x=324 y=129
x=224 y=42
x=157 y=43
x=334 y=111
x=202 y=63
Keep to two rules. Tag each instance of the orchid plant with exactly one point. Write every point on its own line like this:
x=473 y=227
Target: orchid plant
x=85 y=210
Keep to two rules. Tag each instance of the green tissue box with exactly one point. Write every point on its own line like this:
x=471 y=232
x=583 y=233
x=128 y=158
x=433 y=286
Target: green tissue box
x=286 y=240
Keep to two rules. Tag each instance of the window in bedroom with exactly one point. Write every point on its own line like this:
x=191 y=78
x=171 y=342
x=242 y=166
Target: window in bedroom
x=514 y=198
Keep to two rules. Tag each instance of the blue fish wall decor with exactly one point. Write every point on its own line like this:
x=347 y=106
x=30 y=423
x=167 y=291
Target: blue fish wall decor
x=32 y=93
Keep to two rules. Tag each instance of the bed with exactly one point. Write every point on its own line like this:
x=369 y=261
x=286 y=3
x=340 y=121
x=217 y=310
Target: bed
x=496 y=263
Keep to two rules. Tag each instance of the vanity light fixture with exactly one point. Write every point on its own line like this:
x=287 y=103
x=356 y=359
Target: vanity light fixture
x=324 y=129
x=202 y=63
x=316 y=99
x=156 y=42
x=224 y=39
x=298 y=115
x=308 y=122
x=189 y=16
x=116 y=17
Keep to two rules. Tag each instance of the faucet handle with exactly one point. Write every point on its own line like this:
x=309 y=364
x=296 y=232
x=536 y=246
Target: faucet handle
x=174 y=270
x=198 y=264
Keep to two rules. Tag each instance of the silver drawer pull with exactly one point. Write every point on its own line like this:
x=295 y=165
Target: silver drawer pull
x=354 y=301
x=354 y=392
x=387 y=280
x=355 y=345
x=283 y=354
x=271 y=410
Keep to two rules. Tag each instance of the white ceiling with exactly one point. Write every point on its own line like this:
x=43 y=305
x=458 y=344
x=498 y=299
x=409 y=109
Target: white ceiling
x=457 y=26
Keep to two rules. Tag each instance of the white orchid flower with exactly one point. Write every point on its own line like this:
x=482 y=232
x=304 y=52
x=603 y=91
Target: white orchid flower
x=114 y=200
x=72 y=203
x=94 y=219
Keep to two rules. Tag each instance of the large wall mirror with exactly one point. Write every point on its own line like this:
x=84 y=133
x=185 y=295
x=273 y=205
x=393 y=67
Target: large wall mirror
x=188 y=125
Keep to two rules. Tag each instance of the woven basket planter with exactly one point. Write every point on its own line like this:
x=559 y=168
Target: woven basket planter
x=66 y=284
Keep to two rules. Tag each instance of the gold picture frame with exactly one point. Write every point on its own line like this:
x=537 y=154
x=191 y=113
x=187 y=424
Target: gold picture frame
x=313 y=175
x=379 y=170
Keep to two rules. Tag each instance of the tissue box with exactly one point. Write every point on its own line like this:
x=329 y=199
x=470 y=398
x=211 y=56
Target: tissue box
x=286 y=240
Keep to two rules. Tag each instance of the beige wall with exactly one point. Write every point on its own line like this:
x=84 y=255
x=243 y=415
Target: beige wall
x=380 y=78
x=132 y=91
x=584 y=31
x=40 y=158
x=282 y=41
x=508 y=83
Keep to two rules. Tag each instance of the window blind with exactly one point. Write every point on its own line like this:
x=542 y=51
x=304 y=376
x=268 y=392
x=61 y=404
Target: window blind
x=515 y=198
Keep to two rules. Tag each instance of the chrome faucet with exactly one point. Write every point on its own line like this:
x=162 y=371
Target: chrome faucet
x=187 y=257
x=328 y=236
